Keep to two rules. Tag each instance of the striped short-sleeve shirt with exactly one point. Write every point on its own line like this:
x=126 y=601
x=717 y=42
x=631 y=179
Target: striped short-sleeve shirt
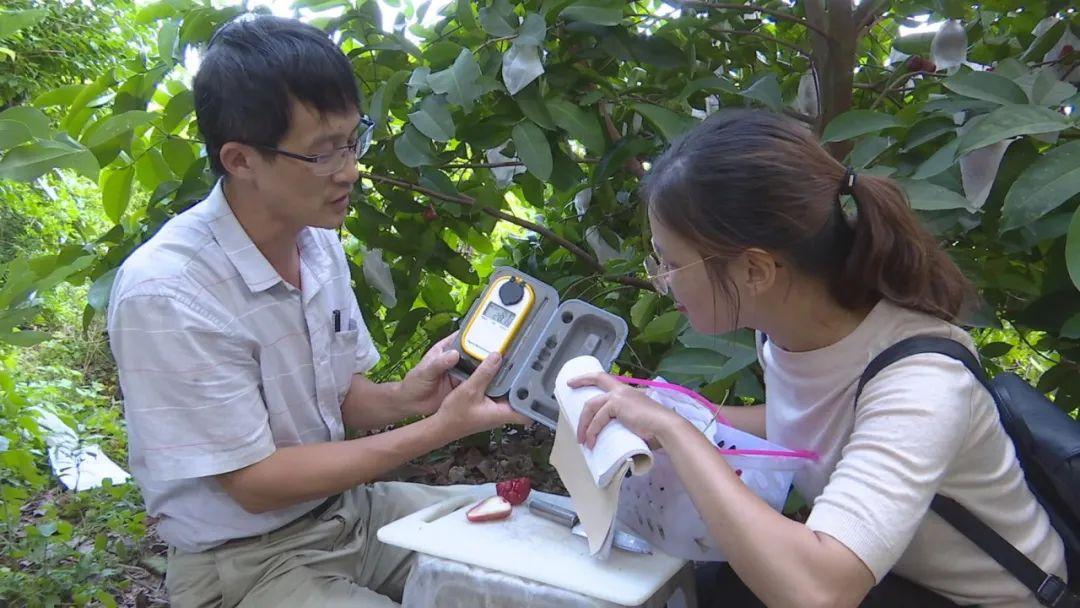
x=221 y=362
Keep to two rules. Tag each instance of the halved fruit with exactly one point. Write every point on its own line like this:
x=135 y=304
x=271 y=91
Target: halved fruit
x=514 y=490
x=490 y=509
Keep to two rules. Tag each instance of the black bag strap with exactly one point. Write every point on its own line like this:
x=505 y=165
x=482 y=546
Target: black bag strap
x=1048 y=588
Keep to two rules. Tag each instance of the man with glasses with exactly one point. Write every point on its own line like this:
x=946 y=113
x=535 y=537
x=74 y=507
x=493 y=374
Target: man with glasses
x=241 y=350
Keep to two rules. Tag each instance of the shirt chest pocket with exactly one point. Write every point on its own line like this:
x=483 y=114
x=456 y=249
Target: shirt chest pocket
x=343 y=359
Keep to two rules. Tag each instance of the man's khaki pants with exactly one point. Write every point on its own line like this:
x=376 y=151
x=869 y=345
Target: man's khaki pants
x=330 y=560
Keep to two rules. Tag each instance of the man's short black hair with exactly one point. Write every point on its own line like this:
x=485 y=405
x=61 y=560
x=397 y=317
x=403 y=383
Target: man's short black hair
x=253 y=67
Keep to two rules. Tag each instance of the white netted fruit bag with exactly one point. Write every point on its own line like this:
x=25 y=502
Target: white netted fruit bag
x=657 y=507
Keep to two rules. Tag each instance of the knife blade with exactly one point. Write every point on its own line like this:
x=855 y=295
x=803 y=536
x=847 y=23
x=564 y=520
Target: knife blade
x=569 y=518
x=623 y=540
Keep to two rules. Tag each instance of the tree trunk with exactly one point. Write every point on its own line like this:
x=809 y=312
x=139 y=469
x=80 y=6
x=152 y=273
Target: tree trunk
x=834 y=60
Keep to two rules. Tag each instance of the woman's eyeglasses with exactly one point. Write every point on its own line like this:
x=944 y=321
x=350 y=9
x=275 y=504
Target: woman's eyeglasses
x=659 y=272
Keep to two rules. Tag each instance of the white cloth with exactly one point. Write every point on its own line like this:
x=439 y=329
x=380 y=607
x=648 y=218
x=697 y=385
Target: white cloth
x=221 y=362
x=924 y=425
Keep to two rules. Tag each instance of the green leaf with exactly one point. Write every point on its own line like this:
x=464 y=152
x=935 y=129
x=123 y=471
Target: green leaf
x=702 y=364
x=766 y=90
x=115 y=126
x=438 y=181
x=418 y=82
x=1044 y=186
x=60 y=96
x=616 y=157
x=433 y=119
x=706 y=84
x=407 y=325
x=24 y=338
x=533 y=107
x=29 y=161
x=1049 y=90
x=926 y=196
x=643 y=310
x=32 y=118
x=98 y=296
x=533 y=31
x=914 y=44
x=178 y=154
x=670 y=124
x=652 y=50
x=152 y=170
x=413 y=149
x=116 y=191
x=436 y=294
x=167 y=37
x=381 y=100
x=1042 y=45
x=459 y=81
x=465 y=16
x=74 y=117
x=599 y=12
x=939 y=161
x=533 y=149
x=868 y=149
x=13 y=21
x=661 y=329
x=1072 y=249
x=13 y=133
x=1011 y=121
x=986 y=86
x=926 y=130
x=854 y=123
x=155 y=11
x=582 y=125
x=1071 y=329
x=498 y=19
x=461 y=269
x=179 y=107
x=14 y=318
x=995 y=349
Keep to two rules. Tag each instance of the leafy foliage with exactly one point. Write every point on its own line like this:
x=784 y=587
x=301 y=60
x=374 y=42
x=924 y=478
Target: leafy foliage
x=465 y=175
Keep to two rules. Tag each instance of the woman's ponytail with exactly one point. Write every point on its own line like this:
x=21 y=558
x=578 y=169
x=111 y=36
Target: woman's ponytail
x=893 y=256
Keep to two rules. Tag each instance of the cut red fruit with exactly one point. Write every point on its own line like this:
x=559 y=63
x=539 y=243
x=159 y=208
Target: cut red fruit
x=515 y=491
x=490 y=509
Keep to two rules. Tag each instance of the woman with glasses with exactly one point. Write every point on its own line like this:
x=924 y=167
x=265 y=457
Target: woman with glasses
x=751 y=230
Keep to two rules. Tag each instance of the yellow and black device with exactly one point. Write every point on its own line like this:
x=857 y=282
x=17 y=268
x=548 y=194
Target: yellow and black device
x=522 y=318
x=498 y=318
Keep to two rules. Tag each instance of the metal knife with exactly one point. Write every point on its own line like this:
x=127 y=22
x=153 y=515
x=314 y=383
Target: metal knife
x=569 y=518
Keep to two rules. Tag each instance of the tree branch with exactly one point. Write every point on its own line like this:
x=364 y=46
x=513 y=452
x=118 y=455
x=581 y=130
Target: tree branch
x=794 y=47
x=867 y=13
x=633 y=165
x=509 y=163
x=799 y=116
x=894 y=84
x=467 y=201
x=745 y=8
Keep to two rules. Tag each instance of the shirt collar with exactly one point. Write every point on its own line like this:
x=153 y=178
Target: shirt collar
x=252 y=265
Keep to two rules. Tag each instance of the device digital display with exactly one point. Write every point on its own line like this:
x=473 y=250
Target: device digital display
x=499 y=314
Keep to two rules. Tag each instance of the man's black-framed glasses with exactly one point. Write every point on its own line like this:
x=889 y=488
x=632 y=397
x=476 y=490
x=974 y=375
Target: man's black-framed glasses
x=333 y=161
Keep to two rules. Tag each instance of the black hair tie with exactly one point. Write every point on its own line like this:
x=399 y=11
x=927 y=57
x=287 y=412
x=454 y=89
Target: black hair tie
x=847 y=183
